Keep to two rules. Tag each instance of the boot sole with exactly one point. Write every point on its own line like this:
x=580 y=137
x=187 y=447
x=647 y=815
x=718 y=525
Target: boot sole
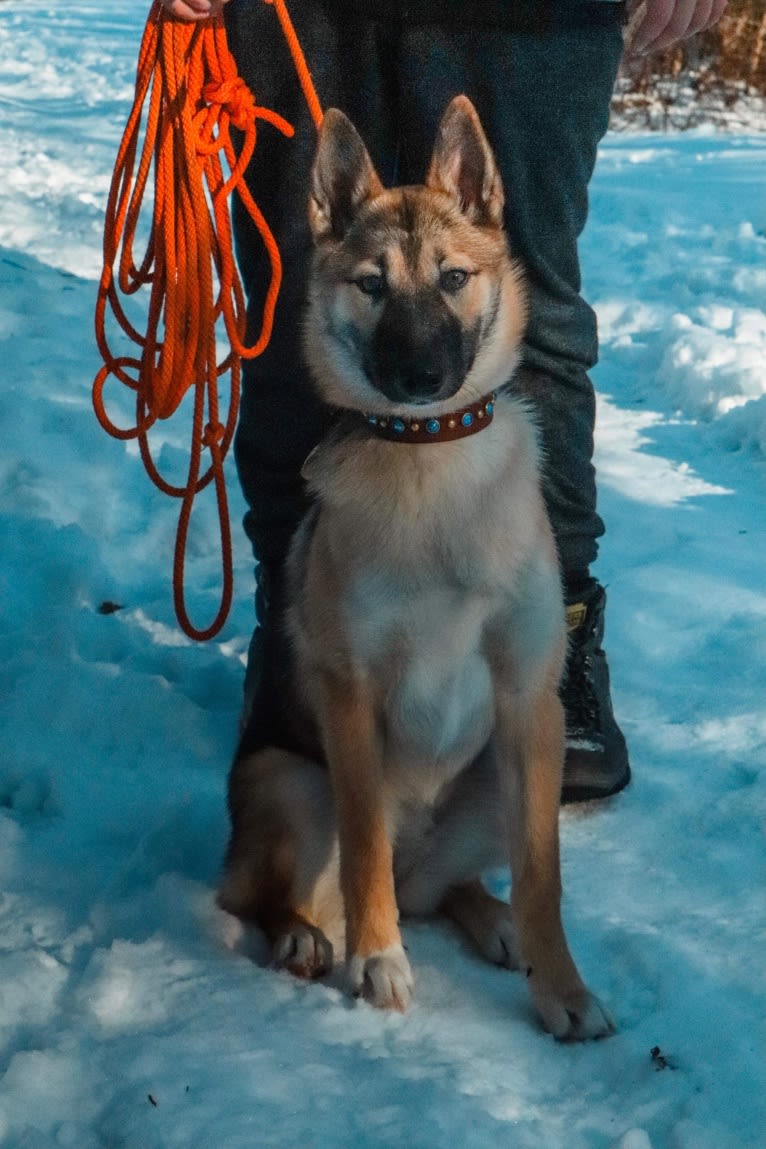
x=593 y=792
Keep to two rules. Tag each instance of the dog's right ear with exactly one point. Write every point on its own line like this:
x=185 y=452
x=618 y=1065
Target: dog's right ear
x=342 y=178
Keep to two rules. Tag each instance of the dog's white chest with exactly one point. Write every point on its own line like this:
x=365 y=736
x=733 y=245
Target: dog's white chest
x=441 y=708
x=426 y=643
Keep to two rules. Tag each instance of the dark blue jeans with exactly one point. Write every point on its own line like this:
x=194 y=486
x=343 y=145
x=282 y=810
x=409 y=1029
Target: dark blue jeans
x=542 y=91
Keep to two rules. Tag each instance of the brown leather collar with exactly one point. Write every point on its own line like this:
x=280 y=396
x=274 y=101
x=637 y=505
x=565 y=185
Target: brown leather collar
x=434 y=429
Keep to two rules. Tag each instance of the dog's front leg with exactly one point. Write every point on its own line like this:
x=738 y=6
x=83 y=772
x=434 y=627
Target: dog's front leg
x=530 y=746
x=377 y=965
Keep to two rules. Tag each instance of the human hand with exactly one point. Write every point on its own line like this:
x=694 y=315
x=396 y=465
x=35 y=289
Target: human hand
x=659 y=24
x=193 y=9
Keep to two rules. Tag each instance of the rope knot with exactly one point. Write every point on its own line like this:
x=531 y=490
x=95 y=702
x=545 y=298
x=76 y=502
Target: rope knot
x=235 y=96
x=213 y=434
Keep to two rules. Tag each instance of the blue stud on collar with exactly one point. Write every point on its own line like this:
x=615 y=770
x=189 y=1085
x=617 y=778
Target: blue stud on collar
x=398 y=426
x=432 y=426
x=372 y=420
x=490 y=407
x=467 y=419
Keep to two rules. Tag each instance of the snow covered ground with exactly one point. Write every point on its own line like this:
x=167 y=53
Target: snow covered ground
x=132 y=1015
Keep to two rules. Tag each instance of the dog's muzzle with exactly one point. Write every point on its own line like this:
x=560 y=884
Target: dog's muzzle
x=419 y=353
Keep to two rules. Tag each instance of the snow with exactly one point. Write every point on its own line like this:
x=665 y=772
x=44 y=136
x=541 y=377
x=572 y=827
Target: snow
x=134 y=1013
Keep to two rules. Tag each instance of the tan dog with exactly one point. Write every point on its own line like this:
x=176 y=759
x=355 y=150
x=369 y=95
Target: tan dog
x=425 y=611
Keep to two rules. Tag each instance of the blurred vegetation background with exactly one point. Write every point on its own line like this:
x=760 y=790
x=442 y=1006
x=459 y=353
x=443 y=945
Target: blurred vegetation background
x=717 y=77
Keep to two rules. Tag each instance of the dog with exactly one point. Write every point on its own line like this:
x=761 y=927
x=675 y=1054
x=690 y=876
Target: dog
x=424 y=736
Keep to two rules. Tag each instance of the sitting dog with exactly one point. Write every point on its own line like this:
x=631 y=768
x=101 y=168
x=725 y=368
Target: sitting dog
x=422 y=737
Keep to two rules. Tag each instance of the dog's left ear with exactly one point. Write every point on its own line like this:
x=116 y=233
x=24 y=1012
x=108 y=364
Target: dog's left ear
x=342 y=178
x=464 y=167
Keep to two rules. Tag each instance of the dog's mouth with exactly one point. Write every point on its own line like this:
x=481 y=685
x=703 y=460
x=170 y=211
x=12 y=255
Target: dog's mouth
x=408 y=387
x=418 y=382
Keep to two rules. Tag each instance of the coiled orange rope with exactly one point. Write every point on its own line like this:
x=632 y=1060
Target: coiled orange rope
x=188 y=94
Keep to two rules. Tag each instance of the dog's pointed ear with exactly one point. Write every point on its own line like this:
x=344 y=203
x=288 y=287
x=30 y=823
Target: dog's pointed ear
x=464 y=167
x=342 y=178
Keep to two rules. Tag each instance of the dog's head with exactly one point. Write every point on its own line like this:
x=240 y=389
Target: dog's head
x=413 y=297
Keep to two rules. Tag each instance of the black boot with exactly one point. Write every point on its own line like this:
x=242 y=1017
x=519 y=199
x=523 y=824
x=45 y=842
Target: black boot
x=596 y=763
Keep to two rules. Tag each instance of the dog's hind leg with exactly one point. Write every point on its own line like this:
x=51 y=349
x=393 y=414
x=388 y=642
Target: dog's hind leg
x=281 y=869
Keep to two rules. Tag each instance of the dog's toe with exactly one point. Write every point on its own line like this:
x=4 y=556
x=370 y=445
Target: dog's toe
x=304 y=951
x=497 y=943
x=384 y=979
x=576 y=1017
x=589 y=1019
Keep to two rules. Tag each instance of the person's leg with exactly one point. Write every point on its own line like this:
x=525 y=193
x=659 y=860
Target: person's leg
x=281 y=418
x=543 y=97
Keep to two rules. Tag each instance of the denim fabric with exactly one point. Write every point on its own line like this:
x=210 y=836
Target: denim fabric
x=528 y=15
x=543 y=98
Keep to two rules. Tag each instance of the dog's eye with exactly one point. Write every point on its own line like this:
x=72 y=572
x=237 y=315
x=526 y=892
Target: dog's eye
x=371 y=284
x=453 y=279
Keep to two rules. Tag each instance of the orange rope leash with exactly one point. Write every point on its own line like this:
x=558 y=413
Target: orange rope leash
x=188 y=93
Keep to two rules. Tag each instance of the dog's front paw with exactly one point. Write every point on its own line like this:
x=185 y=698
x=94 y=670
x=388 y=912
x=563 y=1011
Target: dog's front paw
x=383 y=978
x=575 y=1016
